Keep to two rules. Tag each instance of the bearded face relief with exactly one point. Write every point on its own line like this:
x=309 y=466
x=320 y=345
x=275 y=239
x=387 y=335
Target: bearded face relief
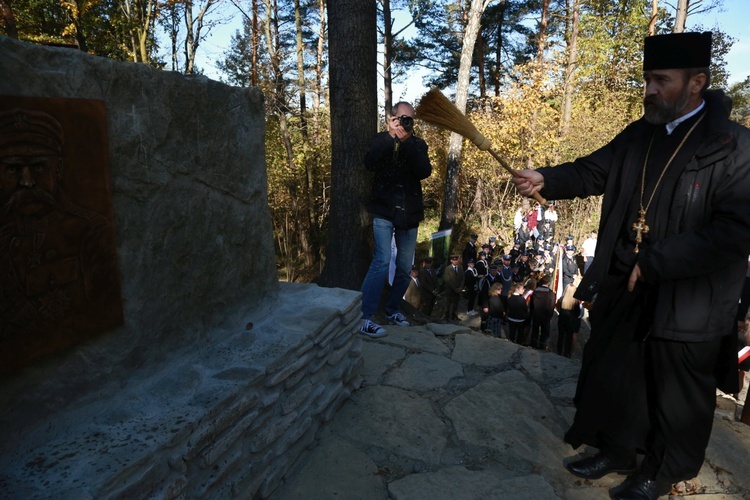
x=60 y=281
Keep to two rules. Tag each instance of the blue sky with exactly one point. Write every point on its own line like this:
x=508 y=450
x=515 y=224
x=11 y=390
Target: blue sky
x=732 y=19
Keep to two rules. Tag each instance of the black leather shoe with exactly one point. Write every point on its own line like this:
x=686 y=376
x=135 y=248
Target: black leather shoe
x=639 y=488
x=599 y=466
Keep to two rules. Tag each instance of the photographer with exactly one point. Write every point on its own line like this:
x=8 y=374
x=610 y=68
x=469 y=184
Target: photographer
x=399 y=161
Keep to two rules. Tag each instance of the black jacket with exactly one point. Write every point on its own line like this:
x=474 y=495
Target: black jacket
x=700 y=239
x=399 y=167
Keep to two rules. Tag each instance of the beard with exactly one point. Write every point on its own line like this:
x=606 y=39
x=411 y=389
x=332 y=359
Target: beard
x=659 y=111
x=24 y=196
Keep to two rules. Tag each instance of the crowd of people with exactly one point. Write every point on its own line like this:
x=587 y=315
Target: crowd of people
x=663 y=330
x=516 y=290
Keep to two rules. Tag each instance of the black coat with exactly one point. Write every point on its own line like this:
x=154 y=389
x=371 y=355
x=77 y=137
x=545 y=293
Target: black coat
x=702 y=209
x=399 y=167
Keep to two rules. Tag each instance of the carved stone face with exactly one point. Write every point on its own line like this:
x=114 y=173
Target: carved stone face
x=28 y=183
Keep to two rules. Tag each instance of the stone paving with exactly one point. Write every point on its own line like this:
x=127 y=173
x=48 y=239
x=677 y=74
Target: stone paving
x=447 y=412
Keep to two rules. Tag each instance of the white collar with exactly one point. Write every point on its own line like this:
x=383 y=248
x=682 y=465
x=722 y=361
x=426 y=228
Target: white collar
x=673 y=124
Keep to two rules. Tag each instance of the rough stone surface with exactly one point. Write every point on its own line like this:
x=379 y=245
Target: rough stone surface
x=210 y=420
x=398 y=421
x=460 y=483
x=496 y=431
x=482 y=351
x=351 y=471
x=378 y=359
x=444 y=330
x=188 y=180
x=220 y=378
x=424 y=372
x=414 y=340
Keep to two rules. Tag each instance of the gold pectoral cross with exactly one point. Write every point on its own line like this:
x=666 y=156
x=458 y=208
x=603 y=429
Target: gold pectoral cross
x=640 y=229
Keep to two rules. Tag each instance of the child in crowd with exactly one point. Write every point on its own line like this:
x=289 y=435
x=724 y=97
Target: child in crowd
x=528 y=293
x=496 y=310
x=542 y=310
x=518 y=312
x=568 y=321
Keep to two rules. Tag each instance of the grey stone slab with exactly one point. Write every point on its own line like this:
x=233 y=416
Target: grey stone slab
x=424 y=371
x=728 y=447
x=481 y=350
x=445 y=329
x=586 y=492
x=414 y=338
x=459 y=483
x=335 y=469
x=508 y=413
x=565 y=391
x=548 y=368
x=568 y=413
x=394 y=420
x=379 y=358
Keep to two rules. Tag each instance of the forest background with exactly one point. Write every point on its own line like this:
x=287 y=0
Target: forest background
x=545 y=80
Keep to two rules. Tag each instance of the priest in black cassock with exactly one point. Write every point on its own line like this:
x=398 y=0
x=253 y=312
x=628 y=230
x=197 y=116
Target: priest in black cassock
x=676 y=190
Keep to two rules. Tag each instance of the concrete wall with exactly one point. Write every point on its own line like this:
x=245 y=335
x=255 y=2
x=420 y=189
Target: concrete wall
x=205 y=377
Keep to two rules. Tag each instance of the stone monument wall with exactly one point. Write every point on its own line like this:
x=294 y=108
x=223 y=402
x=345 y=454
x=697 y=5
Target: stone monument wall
x=220 y=377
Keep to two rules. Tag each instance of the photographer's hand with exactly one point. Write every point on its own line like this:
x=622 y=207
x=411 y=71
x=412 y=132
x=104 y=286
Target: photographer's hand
x=396 y=130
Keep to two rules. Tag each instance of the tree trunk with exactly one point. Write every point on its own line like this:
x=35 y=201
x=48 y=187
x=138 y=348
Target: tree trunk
x=480 y=65
x=193 y=28
x=255 y=42
x=570 y=66
x=319 y=62
x=538 y=69
x=654 y=17
x=8 y=19
x=499 y=52
x=387 y=55
x=143 y=28
x=189 y=37
x=353 y=95
x=450 y=200
x=681 y=16
x=542 y=35
x=307 y=227
x=302 y=87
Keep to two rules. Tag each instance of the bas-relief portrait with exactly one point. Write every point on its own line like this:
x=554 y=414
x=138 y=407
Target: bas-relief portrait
x=59 y=277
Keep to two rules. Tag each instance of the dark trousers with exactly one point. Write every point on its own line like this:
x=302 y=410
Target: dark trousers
x=471 y=297
x=540 y=332
x=428 y=302
x=516 y=331
x=564 y=338
x=682 y=398
x=652 y=396
x=451 y=304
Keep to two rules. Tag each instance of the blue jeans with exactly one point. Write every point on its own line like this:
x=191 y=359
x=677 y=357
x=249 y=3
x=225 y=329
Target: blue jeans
x=372 y=287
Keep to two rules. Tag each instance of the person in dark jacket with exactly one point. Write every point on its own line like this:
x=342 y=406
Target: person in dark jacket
x=470 y=250
x=428 y=288
x=471 y=279
x=569 y=266
x=484 y=294
x=453 y=276
x=542 y=309
x=399 y=160
x=481 y=265
x=568 y=321
x=518 y=311
x=662 y=328
x=496 y=310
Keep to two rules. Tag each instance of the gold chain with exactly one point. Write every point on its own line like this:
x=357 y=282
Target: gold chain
x=640 y=226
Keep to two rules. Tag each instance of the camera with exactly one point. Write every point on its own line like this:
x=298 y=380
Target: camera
x=407 y=122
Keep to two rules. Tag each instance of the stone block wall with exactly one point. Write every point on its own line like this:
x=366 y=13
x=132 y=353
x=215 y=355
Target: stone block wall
x=227 y=422
x=220 y=377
